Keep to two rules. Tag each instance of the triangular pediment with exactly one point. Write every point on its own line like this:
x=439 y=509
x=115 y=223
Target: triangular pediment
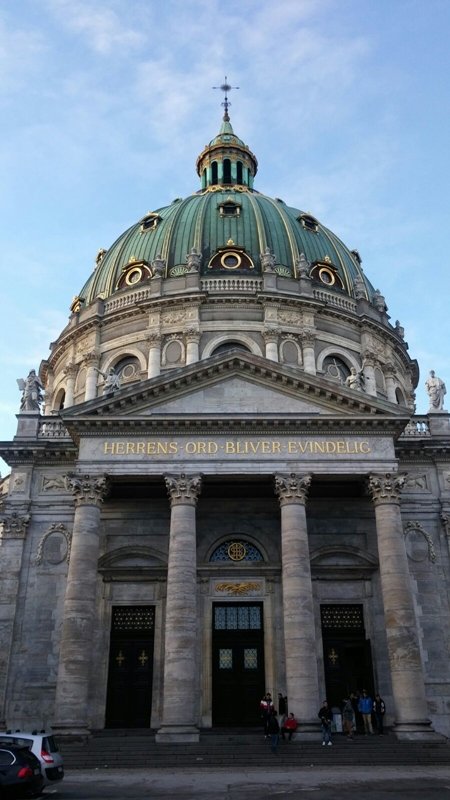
x=230 y=386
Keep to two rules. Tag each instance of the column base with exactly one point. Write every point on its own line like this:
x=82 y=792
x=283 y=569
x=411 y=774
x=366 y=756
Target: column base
x=71 y=732
x=416 y=731
x=177 y=733
x=307 y=732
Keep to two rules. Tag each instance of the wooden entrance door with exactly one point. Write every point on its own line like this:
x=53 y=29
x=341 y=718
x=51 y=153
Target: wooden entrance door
x=238 y=663
x=129 y=696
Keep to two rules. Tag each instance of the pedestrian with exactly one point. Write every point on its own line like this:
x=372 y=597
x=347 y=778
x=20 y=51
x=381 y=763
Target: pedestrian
x=365 y=706
x=348 y=718
x=273 y=729
x=290 y=726
x=282 y=707
x=266 y=709
x=379 y=710
x=325 y=715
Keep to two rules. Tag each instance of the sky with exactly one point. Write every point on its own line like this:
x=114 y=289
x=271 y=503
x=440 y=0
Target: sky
x=105 y=105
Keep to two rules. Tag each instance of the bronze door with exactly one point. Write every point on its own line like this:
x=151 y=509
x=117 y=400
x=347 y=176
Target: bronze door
x=129 y=697
x=238 y=663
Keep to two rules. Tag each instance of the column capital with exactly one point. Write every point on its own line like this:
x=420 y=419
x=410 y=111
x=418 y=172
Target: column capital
x=70 y=370
x=183 y=489
x=14 y=525
x=88 y=489
x=153 y=338
x=292 y=488
x=308 y=336
x=192 y=335
x=386 y=488
x=271 y=334
x=91 y=358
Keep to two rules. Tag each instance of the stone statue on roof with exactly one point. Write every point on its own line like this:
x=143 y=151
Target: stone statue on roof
x=32 y=392
x=436 y=391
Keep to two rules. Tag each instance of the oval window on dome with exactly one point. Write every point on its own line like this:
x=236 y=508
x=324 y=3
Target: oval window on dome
x=133 y=273
x=325 y=272
x=231 y=259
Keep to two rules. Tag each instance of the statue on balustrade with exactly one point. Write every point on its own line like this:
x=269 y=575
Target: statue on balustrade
x=32 y=392
x=436 y=391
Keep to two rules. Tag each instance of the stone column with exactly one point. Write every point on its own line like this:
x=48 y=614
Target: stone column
x=75 y=656
x=91 y=361
x=411 y=718
x=271 y=340
x=192 y=343
x=154 y=355
x=298 y=611
x=13 y=527
x=181 y=706
x=309 y=358
x=369 y=373
x=389 y=377
x=71 y=374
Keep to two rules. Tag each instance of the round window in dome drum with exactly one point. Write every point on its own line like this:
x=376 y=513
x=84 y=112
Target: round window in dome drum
x=231 y=260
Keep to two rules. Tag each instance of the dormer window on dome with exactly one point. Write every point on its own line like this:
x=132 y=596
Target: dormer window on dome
x=229 y=208
x=309 y=222
x=150 y=222
x=326 y=273
x=231 y=258
x=133 y=273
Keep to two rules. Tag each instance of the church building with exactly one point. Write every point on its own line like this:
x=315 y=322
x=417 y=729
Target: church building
x=219 y=486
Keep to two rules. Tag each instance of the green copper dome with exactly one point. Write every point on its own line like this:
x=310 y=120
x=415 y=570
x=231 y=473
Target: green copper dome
x=226 y=227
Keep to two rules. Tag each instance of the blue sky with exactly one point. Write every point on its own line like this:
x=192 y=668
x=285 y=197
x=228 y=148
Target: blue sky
x=105 y=105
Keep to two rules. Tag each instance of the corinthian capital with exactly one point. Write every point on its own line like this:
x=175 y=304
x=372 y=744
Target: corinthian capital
x=15 y=525
x=88 y=489
x=386 y=488
x=292 y=488
x=183 y=489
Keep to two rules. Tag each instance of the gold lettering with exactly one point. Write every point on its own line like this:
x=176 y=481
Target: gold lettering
x=109 y=448
x=131 y=447
x=292 y=447
x=350 y=450
x=120 y=448
x=140 y=448
x=341 y=447
x=319 y=447
x=365 y=447
x=173 y=447
x=212 y=447
x=276 y=447
x=191 y=448
x=331 y=447
x=230 y=447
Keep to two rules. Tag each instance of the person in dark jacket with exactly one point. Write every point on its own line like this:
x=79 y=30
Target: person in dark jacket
x=273 y=730
x=379 y=710
x=325 y=715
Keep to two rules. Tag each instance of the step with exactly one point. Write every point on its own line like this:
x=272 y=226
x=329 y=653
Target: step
x=141 y=751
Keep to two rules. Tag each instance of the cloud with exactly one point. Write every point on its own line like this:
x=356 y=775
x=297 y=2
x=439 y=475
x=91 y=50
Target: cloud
x=103 y=28
x=20 y=52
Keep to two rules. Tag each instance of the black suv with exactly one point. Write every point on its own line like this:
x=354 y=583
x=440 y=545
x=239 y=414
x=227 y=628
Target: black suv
x=20 y=772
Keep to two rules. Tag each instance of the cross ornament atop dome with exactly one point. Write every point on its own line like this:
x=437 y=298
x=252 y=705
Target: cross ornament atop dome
x=226 y=87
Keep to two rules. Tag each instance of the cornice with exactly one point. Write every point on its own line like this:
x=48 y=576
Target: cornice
x=219 y=425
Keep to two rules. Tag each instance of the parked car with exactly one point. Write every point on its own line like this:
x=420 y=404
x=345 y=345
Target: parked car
x=20 y=772
x=44 y=746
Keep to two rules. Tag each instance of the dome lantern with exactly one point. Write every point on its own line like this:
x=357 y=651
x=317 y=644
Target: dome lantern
x=226 y=160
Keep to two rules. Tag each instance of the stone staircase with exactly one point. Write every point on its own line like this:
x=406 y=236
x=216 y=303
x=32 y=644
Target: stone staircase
x=138 y=749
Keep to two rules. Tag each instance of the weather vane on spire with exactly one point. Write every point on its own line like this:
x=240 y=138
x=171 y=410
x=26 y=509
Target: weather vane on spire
x=226 y=87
